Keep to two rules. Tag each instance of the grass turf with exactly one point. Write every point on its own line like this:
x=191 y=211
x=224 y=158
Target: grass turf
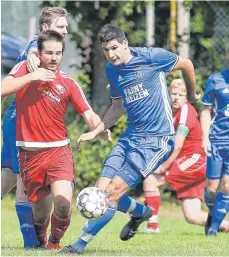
x=177 y=238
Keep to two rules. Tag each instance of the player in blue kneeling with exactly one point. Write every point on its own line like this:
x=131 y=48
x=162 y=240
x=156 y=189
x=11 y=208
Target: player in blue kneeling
x=216 y=146
x=54 y=18
x=138 y=87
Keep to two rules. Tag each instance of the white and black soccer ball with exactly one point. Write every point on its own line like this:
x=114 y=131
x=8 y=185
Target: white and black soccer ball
x=92 y=202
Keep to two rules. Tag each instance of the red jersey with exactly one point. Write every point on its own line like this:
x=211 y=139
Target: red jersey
x=41 y=107
x=187 y=116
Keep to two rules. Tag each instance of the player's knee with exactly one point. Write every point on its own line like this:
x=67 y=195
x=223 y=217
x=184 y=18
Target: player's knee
x=113 y=192
x=62 y=207
x=190 y=218
x=212 y=190
x=225 y=188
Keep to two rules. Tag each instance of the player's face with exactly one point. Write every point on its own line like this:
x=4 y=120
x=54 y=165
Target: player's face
x=178 y=97
x=115 y=52
x=51 y=55
x=60 y=25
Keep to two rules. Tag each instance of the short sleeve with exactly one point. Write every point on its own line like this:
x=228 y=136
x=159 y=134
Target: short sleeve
x=19 y=70
x=188 y=116
x=113 y=80
x=24 y=53
x=209 y=93
x=162 y=59
x=78 y=98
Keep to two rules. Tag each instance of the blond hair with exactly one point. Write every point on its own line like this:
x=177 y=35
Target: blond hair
x=177 y=83
x=48 y=14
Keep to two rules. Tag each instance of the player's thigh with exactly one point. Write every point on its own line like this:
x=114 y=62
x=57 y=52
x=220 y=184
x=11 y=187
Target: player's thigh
x=62 y=191
x=20 y=191
x=8 y=180
x=42 y=209
x=191 y=207
x=153 y=182
x=113 y=162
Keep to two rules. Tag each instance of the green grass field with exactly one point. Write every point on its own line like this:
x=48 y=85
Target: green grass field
x=177 y=238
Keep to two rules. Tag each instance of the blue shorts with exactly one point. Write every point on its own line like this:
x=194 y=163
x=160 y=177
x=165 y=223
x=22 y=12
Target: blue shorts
x=217 y=162
x=136 y=157
x=9 y=155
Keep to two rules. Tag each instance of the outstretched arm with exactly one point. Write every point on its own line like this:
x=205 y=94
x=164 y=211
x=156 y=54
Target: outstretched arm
x=188 y=72
x=110 y=118
x=205 y=122
x=179 y=142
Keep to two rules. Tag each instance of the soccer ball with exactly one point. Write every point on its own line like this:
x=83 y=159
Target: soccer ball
x=92 y=202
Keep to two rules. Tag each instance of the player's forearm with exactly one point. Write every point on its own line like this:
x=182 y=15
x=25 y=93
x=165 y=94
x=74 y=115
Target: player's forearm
x=112 y=116
x=205 y=122
x=189 y=76
x=12 y=85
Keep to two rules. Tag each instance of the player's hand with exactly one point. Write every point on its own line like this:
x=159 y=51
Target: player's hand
x=106 y=135
x=195 y=97
x=206 y=145
x=33 y=62
x=42 y=74
x=84 y=137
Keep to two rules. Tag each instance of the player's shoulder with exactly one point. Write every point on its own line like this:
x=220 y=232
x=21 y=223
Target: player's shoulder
x=188 y=110
x=19 y=66
x=65 y=76
x=143 y=52
x=68 y=79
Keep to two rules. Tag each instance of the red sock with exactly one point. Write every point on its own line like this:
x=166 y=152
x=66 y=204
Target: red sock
x=59 y=225
x=41 y=231
x=153 y=200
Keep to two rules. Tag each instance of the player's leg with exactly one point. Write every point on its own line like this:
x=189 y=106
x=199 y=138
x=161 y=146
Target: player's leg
x=8 y=178
x=25 y=216
x=62 y=192
x=213 y=173
x=41 y=217
x=151 y=187
x=221 y=205
x=8 y=181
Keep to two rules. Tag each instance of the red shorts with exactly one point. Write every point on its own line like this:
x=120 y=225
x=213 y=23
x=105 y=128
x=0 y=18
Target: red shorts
x=187 y=176
x=39 y=169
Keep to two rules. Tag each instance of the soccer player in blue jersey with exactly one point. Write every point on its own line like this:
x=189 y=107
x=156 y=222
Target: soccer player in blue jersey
x=54 y=18
x=138 y=87
x=216 y=146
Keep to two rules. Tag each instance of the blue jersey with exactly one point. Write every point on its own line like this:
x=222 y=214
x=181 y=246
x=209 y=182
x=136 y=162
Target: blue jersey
x=32 y=44
x=142 y=85
x=217 y=94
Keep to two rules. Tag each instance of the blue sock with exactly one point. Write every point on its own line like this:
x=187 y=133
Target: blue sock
x=92 y=227
x=220 y=210
x=2 y=196
x=25 y=217
x=127 y=204
x=209 y=200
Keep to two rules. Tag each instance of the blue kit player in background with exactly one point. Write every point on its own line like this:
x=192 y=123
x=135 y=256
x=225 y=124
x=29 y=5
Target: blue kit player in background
x=216 y=146
x=54 y=18
x=138 y=87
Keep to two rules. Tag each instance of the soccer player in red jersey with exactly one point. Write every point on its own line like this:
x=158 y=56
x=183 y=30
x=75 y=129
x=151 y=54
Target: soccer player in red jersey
x=186 y=166
x=46 y=164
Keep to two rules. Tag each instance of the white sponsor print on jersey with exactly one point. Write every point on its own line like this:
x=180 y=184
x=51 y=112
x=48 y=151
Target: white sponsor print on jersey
x=135 y=92
x=59 y=89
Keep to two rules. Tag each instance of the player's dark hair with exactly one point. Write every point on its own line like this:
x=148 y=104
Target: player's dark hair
x=48 y=14
x=49 y=35
x=109 y=32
